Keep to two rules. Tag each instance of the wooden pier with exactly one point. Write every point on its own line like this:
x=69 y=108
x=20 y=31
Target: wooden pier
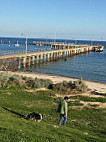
x=58 y=50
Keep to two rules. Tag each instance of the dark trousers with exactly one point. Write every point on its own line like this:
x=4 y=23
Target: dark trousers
x=61 y=118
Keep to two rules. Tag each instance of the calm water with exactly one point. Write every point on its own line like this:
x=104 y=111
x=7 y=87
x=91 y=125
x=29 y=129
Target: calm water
x=89 y=66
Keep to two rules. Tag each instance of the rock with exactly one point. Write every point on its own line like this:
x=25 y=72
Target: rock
x=8 y=65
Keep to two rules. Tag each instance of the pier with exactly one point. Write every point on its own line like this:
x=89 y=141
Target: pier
x=58 y=51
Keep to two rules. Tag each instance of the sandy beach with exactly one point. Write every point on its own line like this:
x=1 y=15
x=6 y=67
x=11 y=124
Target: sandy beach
x=95 y=87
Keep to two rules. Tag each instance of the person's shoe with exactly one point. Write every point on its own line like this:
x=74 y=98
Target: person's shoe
x=55 y=126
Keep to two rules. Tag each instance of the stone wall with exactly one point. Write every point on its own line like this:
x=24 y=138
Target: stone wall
x=8 y=65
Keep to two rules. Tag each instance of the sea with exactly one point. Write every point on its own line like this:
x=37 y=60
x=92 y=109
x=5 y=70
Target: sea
x=90 y=66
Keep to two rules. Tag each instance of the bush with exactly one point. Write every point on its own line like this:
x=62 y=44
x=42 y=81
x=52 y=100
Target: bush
x=17 y=80
x=60 y=87
x=37 y=83
x=80 y=86
x=40 y=83
x=29 y=82
x=4 y=78
x=70 y=87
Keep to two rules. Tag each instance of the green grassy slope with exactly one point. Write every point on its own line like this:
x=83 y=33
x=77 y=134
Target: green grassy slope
x=88 y=125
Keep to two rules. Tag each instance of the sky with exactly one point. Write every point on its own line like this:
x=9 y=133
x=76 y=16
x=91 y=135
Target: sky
x=58 y=19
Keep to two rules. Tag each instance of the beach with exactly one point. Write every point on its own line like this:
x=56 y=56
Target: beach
x=95 y=87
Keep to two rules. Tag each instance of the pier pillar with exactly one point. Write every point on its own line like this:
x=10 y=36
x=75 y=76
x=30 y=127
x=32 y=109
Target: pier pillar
x=37 y=59
x=84 y=49
x=18 y=63
x=75 y=51
x=79 y=51
x=70 y=53
x=29 y=61
x=48 y=57
x=44 y=56
x=59 y=55
x=23 y=62
x=33 y=60
x=89 y=49
x=65 y=53
x=51 y=46
x=62 y=54
x=54 y=56
x=41 y=58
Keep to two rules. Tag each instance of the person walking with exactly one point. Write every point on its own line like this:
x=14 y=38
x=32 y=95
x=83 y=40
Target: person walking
x=63 y=111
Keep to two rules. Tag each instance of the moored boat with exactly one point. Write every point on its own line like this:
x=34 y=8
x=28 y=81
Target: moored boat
x=16 y=44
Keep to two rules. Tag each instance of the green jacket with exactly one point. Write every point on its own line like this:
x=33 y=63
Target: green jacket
x=64 y=107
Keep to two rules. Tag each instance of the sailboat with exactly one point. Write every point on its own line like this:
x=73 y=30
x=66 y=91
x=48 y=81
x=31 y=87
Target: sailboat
x=16 y=44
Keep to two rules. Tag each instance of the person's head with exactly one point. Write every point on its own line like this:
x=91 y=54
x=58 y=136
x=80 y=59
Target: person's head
x=66 y=98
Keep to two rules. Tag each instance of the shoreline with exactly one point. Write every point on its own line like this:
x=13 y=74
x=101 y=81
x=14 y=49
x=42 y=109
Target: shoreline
x=92 y=86
x=51 y=74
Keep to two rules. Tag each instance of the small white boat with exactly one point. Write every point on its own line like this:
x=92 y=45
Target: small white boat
x=16 y=44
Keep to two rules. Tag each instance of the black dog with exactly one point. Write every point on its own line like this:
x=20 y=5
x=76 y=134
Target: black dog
x=34 y=116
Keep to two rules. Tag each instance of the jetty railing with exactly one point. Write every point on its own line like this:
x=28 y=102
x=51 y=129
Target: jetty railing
x=13 y=52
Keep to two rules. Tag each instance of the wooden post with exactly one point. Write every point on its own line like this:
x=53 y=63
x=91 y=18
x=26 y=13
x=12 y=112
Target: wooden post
x=37 y=61
x=33 y=60
x=23 y=62
x=48 y=57
x=41 y=58
x=29 y=61
x=54 y=56
x=18 y=63
x=44 y=55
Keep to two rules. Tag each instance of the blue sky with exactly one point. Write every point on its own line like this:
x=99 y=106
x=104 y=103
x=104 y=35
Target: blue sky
x=67 y=19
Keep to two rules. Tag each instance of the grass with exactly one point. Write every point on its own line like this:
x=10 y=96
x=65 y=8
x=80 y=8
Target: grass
x=89 y=99
x=88 y=124
x=75 y=103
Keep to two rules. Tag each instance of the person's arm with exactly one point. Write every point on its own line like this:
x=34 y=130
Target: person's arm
x=65 y=108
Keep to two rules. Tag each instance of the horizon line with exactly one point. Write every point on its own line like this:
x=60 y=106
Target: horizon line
x=52 y=38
